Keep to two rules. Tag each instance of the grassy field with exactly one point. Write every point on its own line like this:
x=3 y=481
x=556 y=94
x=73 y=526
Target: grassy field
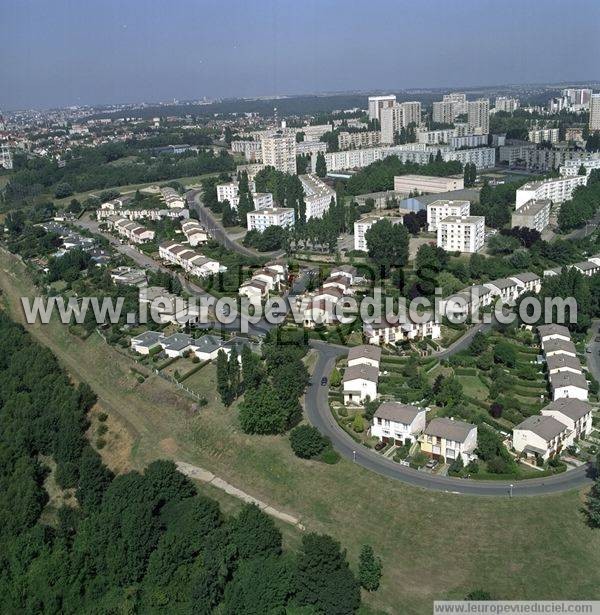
x=433 y=545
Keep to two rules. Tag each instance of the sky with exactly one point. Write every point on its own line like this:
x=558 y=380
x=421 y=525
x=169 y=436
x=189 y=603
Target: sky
x=70 y=52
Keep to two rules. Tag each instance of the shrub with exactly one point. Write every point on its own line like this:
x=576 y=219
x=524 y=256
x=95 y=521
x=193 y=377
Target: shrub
x=328 y=455
x=100 y=443
x=102 y=416
x=306 y=441
x=358 y=424
x=456 y=467
x=102 y=429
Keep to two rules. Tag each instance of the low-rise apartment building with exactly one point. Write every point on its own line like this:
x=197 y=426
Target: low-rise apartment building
x=534 y=214
x=461 y=233
x=317 y=196
x=557 y=190
x=541 y=437
x=364 y=224
x=261 y=219
x=444 y=208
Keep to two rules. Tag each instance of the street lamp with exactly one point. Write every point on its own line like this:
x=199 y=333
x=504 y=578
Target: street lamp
x=511 y=490
x=353 y=455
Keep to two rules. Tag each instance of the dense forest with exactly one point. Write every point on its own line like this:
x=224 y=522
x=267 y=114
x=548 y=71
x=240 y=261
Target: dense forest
x=139 y=542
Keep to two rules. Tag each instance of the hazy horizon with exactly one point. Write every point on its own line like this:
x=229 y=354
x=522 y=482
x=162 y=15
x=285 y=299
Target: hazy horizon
x=186 y=50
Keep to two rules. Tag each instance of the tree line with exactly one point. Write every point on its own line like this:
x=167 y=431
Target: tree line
x=138 y=542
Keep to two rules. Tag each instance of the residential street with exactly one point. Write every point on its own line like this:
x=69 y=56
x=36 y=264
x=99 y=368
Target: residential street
x=319 y=414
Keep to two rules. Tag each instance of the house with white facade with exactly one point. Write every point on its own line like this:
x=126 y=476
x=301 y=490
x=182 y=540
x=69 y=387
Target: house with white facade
x=553 y=332
x=360 y=383
x=392 y=330
x=194 y=232
x=527 y=282
x=558 y=346
x=146 y=342
x=507 y=289
x=398 y=423
x=574 y=413
x=568 y=384
x=541 y=436
x=364 y=355
x=557 y=363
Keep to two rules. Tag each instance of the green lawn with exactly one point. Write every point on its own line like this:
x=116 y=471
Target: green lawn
x=433 y=545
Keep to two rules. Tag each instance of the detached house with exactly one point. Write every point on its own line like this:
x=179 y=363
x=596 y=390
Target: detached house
x=541 y=436
x=398 y=422
x=447 y=438
x=359 y=383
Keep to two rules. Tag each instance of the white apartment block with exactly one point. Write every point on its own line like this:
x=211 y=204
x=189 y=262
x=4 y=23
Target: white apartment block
x=481 y=157
x=438 y=210
x=469 y=141
x=261 y=219
x=544 y=134
x=458 y=99
x=557 y=190
x=262 y=200
x=444 y=112
x=279 y=151
x=359 y=139
x=504 y=103
x=571 y=167
x=317 y=196
x=228 y=192
x=534 y=214
x=478 y=116
x=595 y=112
x=364 y=224
x=436 y=137
x=313 y=133
x=398 y=116
x=577 y=96
x=311 y=148
x=427 y=184
x=377 y=103
x=392 y=331
x=252 y=150
x=461 y=233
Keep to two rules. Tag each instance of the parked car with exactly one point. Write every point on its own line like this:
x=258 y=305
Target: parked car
x=430 y=465
x=379 y=445
x=597 y=338
x=323 y=381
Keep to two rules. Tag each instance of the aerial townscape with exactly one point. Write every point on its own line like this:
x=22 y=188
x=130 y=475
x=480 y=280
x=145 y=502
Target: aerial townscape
x=322 y=353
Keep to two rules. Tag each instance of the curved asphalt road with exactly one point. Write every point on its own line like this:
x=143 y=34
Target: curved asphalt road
x=317 y=410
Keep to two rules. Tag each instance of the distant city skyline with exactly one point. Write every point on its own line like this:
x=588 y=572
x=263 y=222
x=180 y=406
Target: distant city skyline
x=64 y=53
